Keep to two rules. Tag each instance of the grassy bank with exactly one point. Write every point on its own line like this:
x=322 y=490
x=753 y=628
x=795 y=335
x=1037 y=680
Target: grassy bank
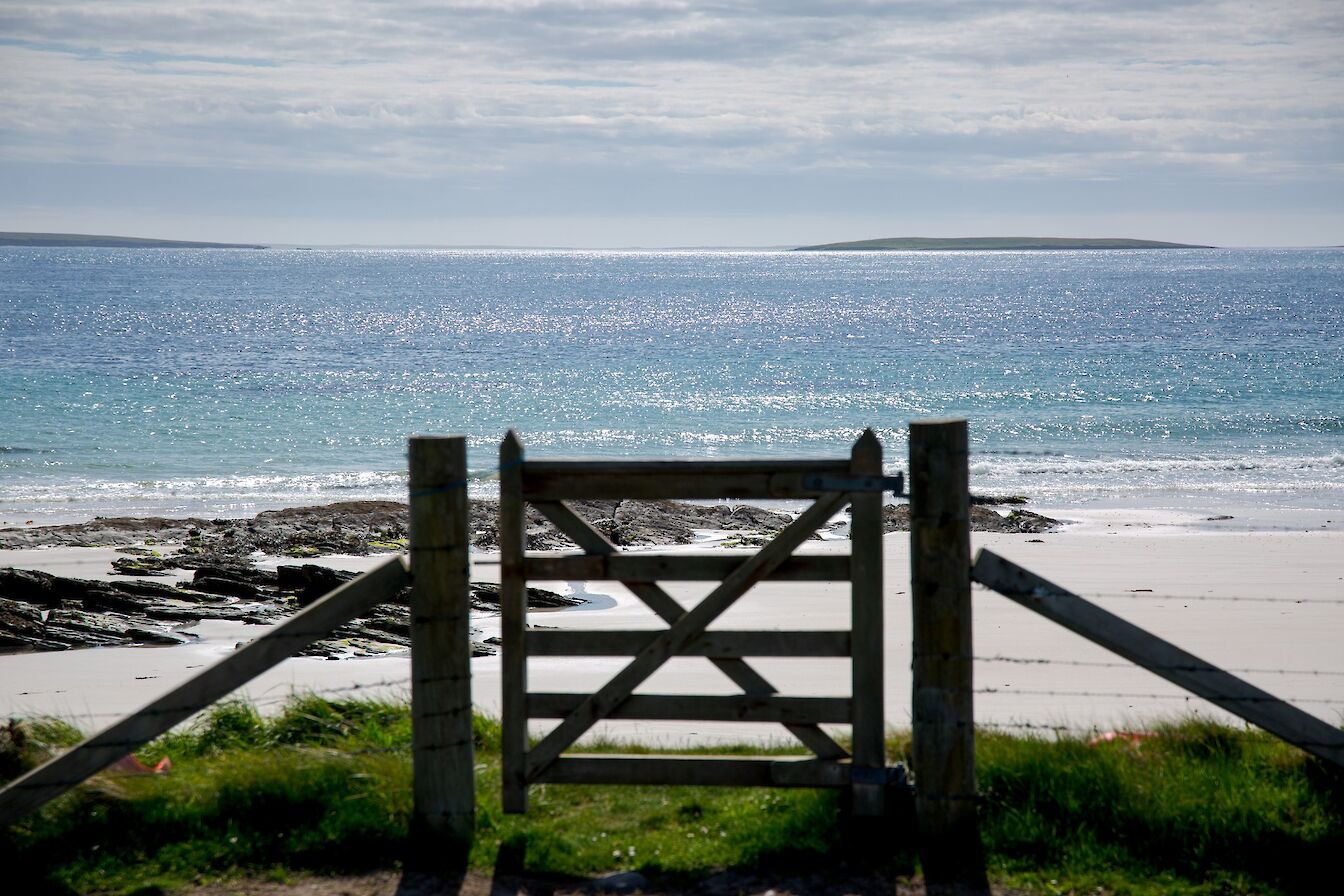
x=325 y=786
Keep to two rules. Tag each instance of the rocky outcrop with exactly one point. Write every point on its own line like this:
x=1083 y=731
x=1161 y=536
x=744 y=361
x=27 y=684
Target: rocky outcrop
x=40 y=611
x=352 y=527
x=630 y=523
x=364 y=527
x=44 y=612
x=896 y=518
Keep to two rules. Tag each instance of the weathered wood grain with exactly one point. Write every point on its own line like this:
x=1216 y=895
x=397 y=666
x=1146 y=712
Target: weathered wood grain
x=866 y=595
x=942 y=709
x=660 y=480
x=513 y=624
x=717 y=644
x=678 y=567
x=443 y=757
x=703 y=707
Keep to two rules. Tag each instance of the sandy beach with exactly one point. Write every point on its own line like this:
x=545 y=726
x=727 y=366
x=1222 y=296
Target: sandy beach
x=1269 y=603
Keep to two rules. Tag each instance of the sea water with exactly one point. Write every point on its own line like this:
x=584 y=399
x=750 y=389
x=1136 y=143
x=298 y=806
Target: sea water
x=222 y=382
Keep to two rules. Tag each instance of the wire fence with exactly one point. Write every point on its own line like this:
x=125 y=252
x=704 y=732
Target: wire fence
x=1091 y=732
x=296 y=691
x=1129 y=695
x=1150 y=596
x=1005 y=692
x=1111 y=664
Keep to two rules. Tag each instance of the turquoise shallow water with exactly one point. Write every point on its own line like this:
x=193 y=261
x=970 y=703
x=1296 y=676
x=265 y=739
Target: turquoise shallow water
x=223 y=382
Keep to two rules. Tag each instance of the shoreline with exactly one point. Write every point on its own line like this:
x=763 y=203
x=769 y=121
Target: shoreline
x=1242 y=513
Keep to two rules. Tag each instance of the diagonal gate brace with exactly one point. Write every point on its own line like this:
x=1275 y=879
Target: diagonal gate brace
x=666 y=607
x=601 y=703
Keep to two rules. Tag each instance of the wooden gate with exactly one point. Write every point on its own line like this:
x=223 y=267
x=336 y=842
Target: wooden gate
x=832 y=484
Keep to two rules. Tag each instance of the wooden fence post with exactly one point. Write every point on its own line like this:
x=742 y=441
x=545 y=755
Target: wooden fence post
x=513 y=624
x=443 y=762
x=865 y=531
x=943 y=717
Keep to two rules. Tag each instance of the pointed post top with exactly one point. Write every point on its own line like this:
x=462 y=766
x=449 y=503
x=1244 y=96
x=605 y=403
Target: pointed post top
x=511 y=448
x=867 y=444
x=866 y=455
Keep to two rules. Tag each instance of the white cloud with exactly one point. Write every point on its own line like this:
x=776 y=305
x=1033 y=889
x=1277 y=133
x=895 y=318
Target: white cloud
x=487 y=95
x=420 y=89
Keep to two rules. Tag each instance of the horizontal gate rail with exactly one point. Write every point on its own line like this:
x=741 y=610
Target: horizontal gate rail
x=678 y=568
x=606 y=698
x=1160 y=657
x=661 y=480
x=703 y=708
x=725 y=644
x=720 y=771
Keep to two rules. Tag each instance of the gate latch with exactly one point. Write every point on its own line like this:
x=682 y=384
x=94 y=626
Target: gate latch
x=849 y=483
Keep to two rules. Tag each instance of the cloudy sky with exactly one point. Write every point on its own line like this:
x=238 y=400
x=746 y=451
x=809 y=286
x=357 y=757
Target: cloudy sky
x=658 y=122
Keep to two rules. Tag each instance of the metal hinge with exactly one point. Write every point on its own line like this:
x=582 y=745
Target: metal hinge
x=840 y=482
x=890 y=776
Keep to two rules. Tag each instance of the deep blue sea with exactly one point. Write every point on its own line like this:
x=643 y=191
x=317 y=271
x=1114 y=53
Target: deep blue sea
x=223 y=382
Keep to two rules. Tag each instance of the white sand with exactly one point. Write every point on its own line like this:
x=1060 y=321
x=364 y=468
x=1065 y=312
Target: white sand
x=1272 y=632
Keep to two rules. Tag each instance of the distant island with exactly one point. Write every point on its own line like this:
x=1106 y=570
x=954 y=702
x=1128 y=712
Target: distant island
x=992 y=242
x=86 y=240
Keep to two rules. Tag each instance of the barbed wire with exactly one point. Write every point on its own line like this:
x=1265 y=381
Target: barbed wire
x=1152 y=696
x=1094 y=731
x=1179 y=667
x=1154 y=596
x=297 y=692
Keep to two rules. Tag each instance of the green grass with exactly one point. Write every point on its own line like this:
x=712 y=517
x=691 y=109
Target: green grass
x=325 y=787
x=1200 y=808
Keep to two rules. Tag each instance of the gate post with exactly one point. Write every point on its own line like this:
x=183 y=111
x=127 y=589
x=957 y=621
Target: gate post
x=865 y=533
x=513 y=625
x=943 y=717
x=442 y=739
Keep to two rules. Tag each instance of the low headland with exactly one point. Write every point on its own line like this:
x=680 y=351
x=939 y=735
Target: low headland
x=99 y=241
x=917 y=243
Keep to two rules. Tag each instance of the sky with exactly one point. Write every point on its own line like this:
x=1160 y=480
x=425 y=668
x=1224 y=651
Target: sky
x=664 y=123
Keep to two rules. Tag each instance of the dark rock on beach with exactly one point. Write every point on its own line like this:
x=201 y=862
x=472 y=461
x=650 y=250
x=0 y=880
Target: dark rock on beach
x=39 y=611
x=310 y=581
x=998 y=499
x=896 y=518
x=21 y=624
x=352 y=527
x=365 y=527
x=485 y=596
